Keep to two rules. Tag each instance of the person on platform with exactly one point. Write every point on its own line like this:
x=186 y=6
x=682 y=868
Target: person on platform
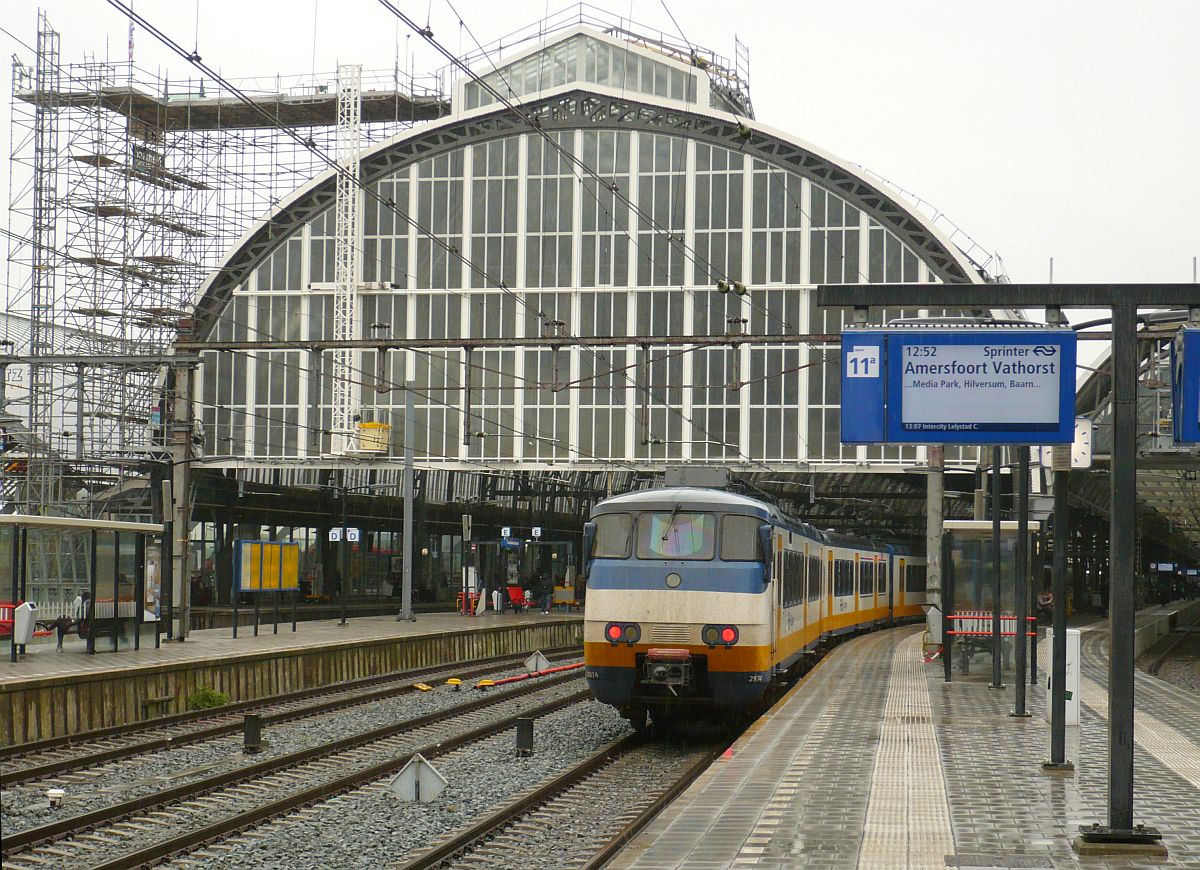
x=1045 y=606
x=545 y=591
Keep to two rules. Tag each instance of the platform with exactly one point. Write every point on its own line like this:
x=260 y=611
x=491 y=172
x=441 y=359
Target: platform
x=49 y=693
x=872 y=761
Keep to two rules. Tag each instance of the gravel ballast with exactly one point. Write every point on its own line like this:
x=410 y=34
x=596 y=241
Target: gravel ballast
x=25 y=806
x=372 y=827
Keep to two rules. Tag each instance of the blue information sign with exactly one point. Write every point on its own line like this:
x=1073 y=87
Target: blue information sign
x=987 y=385
x=1185 y=386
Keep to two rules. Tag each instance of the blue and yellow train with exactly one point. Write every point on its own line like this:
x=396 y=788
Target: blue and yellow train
x=702 y=599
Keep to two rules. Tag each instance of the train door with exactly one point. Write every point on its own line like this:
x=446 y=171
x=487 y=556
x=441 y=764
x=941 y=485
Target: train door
x=858 y=579
x=829 y=583
x=777 y=595
x=805 y=567
x=902 y=570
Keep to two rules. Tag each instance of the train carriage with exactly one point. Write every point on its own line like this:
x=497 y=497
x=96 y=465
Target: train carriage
x=701 y=598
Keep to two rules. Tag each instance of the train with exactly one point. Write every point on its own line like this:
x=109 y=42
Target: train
x=700 y=601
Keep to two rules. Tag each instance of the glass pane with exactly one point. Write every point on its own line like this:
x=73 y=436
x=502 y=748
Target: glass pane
x=739 y=539
x=677 y=535
x=613 y=534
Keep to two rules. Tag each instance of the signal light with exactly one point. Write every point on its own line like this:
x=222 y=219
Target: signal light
x=724 y=635
x=623 y=632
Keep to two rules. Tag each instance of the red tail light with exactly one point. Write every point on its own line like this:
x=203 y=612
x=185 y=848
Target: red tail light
x=623 y=632
x=723 y=635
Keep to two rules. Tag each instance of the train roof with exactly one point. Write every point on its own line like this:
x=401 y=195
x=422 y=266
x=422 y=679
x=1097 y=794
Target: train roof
x=687 y=498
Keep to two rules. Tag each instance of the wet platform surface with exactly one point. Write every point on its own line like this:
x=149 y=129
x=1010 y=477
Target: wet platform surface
x=873 y=761
x=217 y=644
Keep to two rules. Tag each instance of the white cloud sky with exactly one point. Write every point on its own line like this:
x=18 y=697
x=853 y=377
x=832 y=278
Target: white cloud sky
x=1065 y=130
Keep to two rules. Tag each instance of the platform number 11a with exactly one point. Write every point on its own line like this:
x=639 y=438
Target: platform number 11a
x=863 y=362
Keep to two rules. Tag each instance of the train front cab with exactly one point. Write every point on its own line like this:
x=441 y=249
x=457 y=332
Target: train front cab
x=681 y=617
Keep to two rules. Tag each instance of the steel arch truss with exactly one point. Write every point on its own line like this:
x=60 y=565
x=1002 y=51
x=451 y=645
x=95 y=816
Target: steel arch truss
x=572 y=110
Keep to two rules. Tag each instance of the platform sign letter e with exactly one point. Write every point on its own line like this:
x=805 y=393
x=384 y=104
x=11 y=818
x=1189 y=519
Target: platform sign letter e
x=862 y=362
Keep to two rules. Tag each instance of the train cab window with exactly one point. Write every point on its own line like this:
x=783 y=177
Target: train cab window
x=614 y=533
x=676 y=535
x=739 y=539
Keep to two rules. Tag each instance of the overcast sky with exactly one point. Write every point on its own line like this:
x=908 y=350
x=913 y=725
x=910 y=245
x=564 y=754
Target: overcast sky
x=1043 y=129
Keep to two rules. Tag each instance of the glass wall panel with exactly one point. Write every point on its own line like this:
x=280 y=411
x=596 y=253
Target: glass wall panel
x=494 y=413
x=439 y=211
x=603 y=414
x=494 y=212
x=604 y=237
x=106 y=574
x=718 y=246
x=549 y=207
x=547 y=404
x=716 y=404
x=661 y=201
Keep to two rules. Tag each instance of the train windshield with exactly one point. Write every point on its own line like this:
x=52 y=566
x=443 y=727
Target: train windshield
x=676 y=535
x=614 y=533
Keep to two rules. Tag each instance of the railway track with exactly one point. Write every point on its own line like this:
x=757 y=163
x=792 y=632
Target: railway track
x=1185 y=635
x=581 y=818
x=150 y=828
x=34 y=761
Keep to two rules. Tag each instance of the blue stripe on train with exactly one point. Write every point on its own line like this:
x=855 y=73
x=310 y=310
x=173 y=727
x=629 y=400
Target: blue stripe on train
x=697 y=576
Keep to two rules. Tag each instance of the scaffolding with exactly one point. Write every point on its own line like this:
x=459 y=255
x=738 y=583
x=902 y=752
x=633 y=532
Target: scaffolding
x=126 y=189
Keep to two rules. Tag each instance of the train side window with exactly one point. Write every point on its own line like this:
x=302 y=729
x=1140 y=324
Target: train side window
x=914 y=578
x=844 y=578
x=614 y=533
x=739 y=538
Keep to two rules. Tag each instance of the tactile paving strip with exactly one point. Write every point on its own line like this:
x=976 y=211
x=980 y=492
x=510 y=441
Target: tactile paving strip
x=908 y=821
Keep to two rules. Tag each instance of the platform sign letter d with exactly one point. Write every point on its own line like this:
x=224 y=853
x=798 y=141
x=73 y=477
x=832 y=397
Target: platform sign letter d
x=862 y=362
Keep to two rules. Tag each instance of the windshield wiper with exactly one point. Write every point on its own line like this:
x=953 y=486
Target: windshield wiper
x=670 y=523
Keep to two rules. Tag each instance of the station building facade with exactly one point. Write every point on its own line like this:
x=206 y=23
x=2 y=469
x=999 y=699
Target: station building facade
x=631 y=194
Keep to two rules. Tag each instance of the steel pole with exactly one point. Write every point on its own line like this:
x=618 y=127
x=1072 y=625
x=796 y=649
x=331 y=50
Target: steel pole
x=345 y=560
x=934 y=493
x=997 y=678
x=1123 y=522
x=1058 y=652
x=167 y=576
x=406 y=611
x=1020 y=641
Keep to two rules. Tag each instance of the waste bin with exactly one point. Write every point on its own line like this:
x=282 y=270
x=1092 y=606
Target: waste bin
x=24 y=623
